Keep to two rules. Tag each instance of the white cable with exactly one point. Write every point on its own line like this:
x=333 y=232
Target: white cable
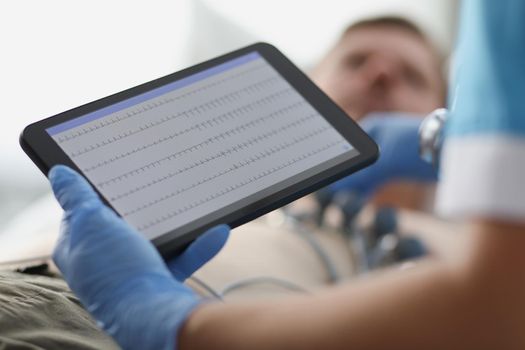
x=262 y=280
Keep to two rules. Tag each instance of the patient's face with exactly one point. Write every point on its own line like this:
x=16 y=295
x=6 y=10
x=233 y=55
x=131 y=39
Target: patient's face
x=381 y=68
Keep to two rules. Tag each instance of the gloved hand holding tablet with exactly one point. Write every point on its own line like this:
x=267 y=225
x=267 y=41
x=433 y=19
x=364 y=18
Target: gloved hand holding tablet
x=118 y=275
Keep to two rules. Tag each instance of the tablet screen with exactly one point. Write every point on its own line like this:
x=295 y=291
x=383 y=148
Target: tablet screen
x=216 y=140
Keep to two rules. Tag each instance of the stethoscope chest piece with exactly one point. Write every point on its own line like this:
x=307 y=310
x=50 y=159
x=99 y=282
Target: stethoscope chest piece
x=431 y=135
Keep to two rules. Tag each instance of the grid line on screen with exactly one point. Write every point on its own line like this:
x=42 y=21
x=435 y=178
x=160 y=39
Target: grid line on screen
x=216 y=157
x=148 y=107
x=207 y=142
x=208 y=123
x=170 y=118
x=238 y=185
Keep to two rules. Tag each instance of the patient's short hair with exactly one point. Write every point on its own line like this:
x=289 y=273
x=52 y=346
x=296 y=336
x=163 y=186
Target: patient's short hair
x=397 y=22
x=390 y=21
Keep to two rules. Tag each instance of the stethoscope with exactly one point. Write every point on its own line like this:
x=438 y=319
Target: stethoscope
x=431 y=134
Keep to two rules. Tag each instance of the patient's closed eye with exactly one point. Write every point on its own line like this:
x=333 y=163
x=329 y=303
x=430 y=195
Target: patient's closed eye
x=355 y=61
x=414 y=78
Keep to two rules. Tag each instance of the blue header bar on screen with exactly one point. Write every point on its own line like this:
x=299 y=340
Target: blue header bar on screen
x=153 y=93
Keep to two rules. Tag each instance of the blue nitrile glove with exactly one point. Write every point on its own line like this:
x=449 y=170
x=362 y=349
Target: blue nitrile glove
x=483 y=158
x=118 y=275
x=398 y=140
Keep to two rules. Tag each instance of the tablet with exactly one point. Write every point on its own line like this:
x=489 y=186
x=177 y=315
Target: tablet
x=224 y=141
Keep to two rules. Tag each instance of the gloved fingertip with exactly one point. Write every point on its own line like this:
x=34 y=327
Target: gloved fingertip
x=58 y=171
x=202 y=250
x=213 y=240
x=221 y=229
x=69 y=187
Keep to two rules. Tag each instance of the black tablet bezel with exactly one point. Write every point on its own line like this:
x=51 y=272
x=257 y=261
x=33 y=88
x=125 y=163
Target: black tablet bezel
x=45 y=152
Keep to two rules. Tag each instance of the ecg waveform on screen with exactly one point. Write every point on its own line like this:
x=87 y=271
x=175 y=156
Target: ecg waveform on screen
x=217 y=156
x=197 y=149
x=147 y=107
x=235 y=186
x=199 y=126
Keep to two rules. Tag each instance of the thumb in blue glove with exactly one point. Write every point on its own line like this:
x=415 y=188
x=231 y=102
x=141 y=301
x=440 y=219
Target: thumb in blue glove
x=118 y=275
x=398 y=139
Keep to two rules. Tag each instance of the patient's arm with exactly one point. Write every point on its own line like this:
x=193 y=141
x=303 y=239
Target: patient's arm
x=476 y=303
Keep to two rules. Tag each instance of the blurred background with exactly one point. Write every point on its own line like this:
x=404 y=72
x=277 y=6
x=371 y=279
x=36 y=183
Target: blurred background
x=58 y=54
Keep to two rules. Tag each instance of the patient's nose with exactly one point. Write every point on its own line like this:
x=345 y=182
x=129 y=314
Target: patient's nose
x=381 y=73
